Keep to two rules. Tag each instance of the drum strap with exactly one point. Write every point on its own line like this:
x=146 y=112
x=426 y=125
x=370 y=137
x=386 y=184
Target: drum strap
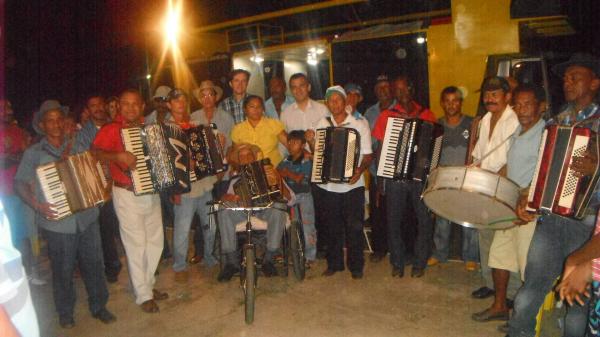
x=479 y=161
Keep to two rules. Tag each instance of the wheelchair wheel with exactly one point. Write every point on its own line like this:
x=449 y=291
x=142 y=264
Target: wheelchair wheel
x=249 y=283
x=296 y=250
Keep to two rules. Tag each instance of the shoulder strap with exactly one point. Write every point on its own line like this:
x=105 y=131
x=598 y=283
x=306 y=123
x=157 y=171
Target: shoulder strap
x=330 y=121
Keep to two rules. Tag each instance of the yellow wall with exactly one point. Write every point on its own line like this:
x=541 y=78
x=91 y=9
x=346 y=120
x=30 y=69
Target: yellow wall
x=458 y=51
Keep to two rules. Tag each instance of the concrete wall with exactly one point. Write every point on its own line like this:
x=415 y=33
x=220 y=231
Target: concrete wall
x=458 y=51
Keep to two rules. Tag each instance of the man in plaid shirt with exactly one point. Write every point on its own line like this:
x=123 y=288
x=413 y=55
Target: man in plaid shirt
x=238 y=81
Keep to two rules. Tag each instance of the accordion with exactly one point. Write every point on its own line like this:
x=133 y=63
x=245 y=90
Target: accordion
x=206 y=151
x=555 y=187
x=73 y=184
x=410 y=149
x=162 y=158
x=254 y=187
x=337 y=151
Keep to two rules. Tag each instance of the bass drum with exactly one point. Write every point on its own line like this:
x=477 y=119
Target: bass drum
x=472 y=197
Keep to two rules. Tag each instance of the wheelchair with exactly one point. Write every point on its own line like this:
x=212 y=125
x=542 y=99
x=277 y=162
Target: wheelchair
x=292 y=247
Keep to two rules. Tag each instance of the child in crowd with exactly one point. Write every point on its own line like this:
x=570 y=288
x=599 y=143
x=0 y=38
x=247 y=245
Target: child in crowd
x=296 y=169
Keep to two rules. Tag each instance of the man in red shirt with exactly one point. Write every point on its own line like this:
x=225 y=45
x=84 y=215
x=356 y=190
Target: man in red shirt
x=139 y=216
x=398 y=192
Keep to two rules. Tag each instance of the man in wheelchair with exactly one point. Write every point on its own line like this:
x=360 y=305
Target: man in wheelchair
x=275 y=217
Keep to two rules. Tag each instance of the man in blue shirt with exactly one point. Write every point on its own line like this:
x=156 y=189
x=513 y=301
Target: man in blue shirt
x=109 y=223
x=556 y=237
x=73 y=239
x=278 y=100
x=508 y=252
x=385 y=101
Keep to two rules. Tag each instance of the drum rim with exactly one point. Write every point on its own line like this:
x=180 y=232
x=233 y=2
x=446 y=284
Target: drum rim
x=466 y=168
x=465 y=223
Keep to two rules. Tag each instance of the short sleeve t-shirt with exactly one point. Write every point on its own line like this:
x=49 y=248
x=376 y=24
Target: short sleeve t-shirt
x=455 y=142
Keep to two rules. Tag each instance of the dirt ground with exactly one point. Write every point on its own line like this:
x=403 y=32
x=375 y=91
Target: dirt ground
x=378 y=305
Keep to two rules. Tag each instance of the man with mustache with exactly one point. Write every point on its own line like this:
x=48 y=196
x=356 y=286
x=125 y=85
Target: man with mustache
x=490 y=153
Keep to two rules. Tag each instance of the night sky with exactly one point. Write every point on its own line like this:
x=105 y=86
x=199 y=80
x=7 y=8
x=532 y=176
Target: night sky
x=69 y=49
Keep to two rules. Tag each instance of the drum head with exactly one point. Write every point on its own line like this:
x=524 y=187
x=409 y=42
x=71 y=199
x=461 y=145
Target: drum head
x=470 y=209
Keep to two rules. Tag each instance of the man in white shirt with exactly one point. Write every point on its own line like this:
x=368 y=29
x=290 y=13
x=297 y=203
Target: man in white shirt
x=490 y=152
x=343 y=203
x=305 y=113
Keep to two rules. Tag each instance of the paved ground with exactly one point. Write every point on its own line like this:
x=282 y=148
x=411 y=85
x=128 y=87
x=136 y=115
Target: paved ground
x=436 y=305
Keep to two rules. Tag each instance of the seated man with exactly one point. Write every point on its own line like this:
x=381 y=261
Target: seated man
x=242 y=154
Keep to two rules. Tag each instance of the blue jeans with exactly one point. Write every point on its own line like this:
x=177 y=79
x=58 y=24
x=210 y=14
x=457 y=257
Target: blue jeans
x=399 y=195
x=441 y=238
x=554 y=239
x=307 y=213
x=64 y=251
x=184 y=213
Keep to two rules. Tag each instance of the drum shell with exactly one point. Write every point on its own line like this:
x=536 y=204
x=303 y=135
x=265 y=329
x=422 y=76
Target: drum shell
x=472 y=197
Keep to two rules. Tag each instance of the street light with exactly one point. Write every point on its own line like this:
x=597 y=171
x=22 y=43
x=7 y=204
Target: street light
x=172 y=21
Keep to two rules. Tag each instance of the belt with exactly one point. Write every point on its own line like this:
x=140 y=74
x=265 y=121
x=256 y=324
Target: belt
x=128 y=187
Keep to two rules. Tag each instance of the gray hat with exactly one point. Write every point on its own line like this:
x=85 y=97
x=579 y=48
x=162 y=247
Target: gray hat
x=176 y=93
x=353 y=87
x=162 y=92
x=495 y=83
x=48 y=105
x=579 y=59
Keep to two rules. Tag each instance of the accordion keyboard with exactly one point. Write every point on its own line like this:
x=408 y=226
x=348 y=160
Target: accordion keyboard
x=54 y=190
x=317 y=170
x=389 y=148
x=142 y=181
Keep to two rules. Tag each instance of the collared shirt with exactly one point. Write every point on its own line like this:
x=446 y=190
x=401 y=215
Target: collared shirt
x=522 y=156
x=455 y=142
x=265 y=135
x=398 y=111
x=271 y=111
x=498 y=142
x=302 y=166
x=152 y=117
x=221 y=118
x=43 y=153
x=565 y=117
x=109 y=139
x=295 y=119
x=13 y=142
x=235 y=109
x=362 y=126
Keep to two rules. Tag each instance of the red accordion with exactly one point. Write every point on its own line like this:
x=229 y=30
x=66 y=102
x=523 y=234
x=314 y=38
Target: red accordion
x=555 y=187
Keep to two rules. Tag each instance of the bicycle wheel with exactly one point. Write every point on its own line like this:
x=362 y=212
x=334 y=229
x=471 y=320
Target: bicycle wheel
x=297 y=250
x=250 y=283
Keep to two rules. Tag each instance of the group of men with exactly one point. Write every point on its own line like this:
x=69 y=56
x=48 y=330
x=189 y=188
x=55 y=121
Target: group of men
x=507 y=141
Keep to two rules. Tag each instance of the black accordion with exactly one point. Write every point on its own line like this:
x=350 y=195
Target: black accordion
x=206 y=151
x=162 y=158
x=73 y=184
x=337 y=151
x=410 y=149
x=253 y=186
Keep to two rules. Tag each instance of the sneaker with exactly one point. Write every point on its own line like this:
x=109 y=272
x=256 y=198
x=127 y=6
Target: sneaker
x=433 y=261
x=105 y=316
x=269 y=269
x=227 y=273
x=471 y=266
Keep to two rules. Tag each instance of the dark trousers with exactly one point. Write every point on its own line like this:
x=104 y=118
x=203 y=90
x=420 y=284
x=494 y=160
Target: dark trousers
x=554 y=239
x=167 y=219
x=109 y=233
x=319 y=196
x=399 y=195
x=64 y=250
x=343 y=215
x=377 y=219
